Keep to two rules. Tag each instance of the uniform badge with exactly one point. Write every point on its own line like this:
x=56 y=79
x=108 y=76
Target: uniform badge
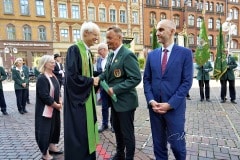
x=117 y=72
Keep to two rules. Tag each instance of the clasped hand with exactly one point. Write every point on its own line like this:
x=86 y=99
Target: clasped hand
x=160 y=108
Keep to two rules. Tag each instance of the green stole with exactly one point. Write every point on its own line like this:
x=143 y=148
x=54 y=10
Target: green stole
x=92 y=127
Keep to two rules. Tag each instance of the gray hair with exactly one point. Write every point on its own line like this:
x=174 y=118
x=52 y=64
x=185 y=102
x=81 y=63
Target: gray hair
x=116 y=29
x=102 y=45
x=44 y=59
x=88 y=26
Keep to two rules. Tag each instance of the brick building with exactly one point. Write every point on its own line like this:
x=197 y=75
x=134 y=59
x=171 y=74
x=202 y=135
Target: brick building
x=188 y=16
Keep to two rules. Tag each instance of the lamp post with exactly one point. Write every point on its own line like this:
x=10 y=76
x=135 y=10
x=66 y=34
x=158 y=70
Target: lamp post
x=11 y=50
x=231 y=29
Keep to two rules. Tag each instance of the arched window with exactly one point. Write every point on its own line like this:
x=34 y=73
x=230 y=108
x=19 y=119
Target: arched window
x=152 y=18
x=207 y=6
x=122 y=16
x=102 y=14
x=218 y=22
x=217 y=7
x=210 y=23
x=163 y=16
x=210 y=40
x=235 y=13
x=91 y=13
x=191 y=20
x=42 y=33
x=199 y=22
x=27 y=33
x=211 y=6
x=11 y=32
x=176 y=19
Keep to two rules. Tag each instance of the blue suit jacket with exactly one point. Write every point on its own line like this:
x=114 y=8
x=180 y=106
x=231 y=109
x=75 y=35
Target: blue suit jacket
x=172 y=86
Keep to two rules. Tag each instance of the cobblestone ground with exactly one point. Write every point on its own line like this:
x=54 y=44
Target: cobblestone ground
x=212 y=129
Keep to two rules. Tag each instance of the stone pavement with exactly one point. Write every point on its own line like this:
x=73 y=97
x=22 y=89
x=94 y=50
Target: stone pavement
x=212 y=129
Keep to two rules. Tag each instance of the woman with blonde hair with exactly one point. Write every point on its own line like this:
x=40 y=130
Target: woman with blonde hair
x=47 y=108
x=20 y=76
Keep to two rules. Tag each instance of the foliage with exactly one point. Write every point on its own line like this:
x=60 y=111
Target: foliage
x=155 y=43
x=141 y=62
x=127 y=45
x=235 y=57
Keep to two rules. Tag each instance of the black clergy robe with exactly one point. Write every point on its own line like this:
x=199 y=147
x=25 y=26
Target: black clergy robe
x=76 y=92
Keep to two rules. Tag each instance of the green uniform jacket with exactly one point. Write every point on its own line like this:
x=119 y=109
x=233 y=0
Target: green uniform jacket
x=229 y=74
x=123 y=75
x=3 y=76
x=203 y=72
x=18 y=81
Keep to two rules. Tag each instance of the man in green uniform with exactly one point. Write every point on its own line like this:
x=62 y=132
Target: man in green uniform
x=122 y=74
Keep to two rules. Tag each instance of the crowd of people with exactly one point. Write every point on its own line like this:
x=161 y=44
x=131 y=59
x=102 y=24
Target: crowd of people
x=116 y=75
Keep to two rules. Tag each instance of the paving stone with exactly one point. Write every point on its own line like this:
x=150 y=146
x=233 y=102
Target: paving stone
x=209 y=129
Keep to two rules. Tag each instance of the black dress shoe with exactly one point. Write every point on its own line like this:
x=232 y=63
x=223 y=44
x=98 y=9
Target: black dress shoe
x=188 y=98
x=25 y=111
x=233 y=101
x=222 y=101
x=5 y=113
x=102 y=128
x=208 y=100
x=201 y=100
x=55 y=152
x=21 y=112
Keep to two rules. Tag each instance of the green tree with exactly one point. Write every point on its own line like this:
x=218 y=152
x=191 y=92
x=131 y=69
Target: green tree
x=155 y=43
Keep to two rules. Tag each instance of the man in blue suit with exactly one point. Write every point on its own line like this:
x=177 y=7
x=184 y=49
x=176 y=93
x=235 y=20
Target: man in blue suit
x=167 y=80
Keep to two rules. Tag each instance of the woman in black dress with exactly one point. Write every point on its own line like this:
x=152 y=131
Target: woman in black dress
x=47 y=111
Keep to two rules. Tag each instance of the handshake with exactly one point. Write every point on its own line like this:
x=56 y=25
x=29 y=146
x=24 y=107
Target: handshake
x=96 y=81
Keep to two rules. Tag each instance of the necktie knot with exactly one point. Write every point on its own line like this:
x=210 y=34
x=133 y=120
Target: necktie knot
x=165 y=50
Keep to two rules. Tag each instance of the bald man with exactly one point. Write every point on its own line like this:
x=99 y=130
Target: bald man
x=165 y=89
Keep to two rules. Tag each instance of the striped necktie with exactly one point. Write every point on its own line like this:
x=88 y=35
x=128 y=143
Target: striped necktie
x=164 y=60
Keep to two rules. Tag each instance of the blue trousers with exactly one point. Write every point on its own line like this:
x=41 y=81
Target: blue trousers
x=105 y=107
x=168 y=128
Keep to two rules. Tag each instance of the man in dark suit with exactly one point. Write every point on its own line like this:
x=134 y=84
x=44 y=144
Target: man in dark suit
x=122 y=74
x=101 y=63
x=167 y=79
x=58 y=69
x=230 y=77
